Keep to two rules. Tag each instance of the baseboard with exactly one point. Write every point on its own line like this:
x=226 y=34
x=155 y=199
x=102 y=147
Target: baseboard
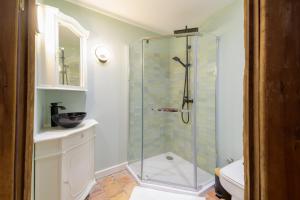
x=87 y=190
x=110 y=170
x=134 y=175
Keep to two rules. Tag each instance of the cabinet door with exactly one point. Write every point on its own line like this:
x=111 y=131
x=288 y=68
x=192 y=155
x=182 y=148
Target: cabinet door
x=47 y=170
x=76 y=175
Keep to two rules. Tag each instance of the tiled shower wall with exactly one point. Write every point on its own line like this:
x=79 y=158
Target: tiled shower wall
x=135 y=103
x=163 y=87
x=155 y=90
x=205 y=105
x=180 y=133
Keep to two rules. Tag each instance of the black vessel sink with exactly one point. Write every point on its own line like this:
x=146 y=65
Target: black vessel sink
x=68 y=120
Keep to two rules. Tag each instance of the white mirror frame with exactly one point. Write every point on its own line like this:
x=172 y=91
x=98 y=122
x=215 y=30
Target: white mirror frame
x=83 y=34
x=48 y=49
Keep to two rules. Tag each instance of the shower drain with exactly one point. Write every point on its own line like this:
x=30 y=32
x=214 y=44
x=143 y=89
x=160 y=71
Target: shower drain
x=169 y=158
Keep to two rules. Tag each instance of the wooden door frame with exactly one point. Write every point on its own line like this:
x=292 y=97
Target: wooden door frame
x=251 y=20
x=17 y=62
x=271 y=99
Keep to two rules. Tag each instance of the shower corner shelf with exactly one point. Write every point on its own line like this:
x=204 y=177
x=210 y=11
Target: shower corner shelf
x=170 y=110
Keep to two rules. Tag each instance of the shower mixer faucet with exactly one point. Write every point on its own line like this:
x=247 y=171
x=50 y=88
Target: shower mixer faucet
x=187 y=100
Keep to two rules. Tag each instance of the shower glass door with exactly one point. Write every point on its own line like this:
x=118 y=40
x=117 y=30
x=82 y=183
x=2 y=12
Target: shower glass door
x=172 y=118
x=168 y=133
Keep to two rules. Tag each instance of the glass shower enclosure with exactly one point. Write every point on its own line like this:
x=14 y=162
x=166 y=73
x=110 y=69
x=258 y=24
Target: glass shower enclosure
x=172 y=89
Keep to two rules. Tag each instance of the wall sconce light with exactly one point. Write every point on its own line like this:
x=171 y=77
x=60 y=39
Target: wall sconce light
x=102 y=54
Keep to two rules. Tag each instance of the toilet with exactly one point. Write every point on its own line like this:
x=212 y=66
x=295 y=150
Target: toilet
x=232 y=179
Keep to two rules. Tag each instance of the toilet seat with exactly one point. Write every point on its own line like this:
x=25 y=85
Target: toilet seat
x=232 y=179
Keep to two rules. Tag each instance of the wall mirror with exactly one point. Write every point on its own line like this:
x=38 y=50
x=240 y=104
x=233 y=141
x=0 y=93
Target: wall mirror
x=61 y=51
x=69 y=57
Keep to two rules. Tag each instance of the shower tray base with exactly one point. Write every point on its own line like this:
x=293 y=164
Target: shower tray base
x=172 y=175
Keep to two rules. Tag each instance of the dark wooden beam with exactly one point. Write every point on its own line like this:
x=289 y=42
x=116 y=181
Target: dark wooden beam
x=16 y=98
x=272 y=99
x=8 y=95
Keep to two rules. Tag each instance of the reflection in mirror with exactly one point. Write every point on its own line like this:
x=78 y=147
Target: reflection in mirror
x=69 y=57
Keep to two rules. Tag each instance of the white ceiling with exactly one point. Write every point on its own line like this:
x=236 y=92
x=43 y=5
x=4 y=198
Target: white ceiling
x=162 y=16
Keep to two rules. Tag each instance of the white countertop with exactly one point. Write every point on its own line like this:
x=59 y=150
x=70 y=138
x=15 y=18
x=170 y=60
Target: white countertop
x=59 y=132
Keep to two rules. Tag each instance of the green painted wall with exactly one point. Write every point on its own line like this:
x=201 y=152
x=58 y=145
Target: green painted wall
x=228 y=25
x=104 y=100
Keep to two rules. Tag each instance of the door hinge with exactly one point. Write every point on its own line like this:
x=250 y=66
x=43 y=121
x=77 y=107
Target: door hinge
x=21 y=5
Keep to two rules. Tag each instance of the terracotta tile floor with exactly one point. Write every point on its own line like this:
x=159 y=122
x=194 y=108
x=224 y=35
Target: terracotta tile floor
x=119 y=186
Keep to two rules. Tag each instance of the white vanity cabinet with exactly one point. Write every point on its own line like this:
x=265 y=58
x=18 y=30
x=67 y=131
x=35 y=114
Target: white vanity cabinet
x=60 y=51
x=64 y=162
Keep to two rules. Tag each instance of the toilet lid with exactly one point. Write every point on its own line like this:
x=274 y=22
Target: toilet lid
x=234 y=173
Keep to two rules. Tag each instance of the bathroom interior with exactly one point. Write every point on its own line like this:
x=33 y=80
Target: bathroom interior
x=139 y=100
